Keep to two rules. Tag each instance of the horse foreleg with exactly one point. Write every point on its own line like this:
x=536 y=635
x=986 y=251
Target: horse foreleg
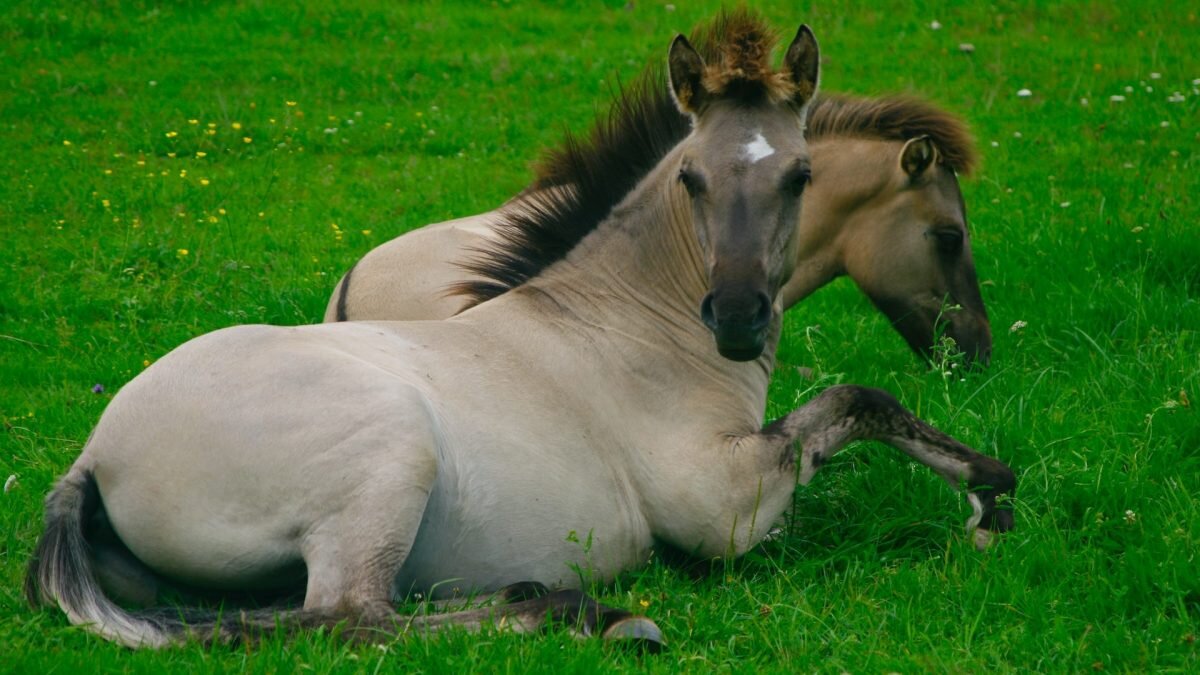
x=825 y=425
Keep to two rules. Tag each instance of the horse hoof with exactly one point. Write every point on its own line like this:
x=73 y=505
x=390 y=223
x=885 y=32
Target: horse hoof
x=983 y=538
x=638 y=631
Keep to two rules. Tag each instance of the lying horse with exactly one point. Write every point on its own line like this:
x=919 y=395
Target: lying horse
x=885 y=209
x=364 y=460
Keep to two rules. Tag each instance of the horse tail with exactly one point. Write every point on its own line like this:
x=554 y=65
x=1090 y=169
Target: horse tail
x=61 y=571
x=343 y=295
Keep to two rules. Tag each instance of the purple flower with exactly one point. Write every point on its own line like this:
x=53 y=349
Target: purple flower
x=97 y=388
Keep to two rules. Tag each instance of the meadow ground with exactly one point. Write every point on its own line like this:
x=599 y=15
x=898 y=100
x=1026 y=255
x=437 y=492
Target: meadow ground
x=167 y=169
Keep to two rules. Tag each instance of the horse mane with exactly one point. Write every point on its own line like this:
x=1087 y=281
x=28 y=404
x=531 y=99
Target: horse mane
x=894 y=118
x=577 y=184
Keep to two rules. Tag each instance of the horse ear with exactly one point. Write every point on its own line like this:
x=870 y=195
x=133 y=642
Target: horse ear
x=803 y=64
x=687 y=73
x=917 y=155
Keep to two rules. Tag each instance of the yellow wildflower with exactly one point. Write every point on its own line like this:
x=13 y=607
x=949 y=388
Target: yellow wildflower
x=172 y=134
x=247 y=139
x=201 y=154
x=181 y=252
x=193 y=121
x=236 y=125
x=66 y=142
x=204 y=181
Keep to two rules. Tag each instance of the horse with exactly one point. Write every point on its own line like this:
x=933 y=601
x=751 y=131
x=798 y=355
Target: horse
x=885 y=209
x=618 y=391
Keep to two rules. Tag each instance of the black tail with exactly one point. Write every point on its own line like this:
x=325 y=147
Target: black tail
x=61 y=573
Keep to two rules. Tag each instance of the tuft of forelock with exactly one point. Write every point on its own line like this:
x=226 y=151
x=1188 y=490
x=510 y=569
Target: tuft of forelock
x=897 y=118
x=736 y=48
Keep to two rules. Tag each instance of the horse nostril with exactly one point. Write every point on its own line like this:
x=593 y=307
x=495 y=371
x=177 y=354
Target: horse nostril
x=706 y=312
x=763 y=316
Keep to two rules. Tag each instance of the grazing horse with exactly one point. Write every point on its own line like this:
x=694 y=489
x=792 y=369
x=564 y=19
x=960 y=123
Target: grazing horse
x=617 y=392
x=885 y=209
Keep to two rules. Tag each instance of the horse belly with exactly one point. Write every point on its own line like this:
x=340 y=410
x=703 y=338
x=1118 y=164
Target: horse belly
x=511 y=513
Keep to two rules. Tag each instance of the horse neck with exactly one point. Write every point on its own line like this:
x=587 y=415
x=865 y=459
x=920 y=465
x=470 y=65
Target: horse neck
x=634 y=287
x=852 y=175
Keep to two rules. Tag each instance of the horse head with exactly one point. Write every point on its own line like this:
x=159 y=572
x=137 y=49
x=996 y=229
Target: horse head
x=909 y=251
x=742 y=172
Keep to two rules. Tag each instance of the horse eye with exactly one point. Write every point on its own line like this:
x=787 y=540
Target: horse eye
x=798 y=181
x=949 y=240
x=691 y=182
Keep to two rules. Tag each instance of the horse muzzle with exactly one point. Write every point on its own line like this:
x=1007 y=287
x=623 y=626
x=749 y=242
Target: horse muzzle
x=974 y=339
x=738 y=323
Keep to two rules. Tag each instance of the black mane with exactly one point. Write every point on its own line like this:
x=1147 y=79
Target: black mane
x=595 y=172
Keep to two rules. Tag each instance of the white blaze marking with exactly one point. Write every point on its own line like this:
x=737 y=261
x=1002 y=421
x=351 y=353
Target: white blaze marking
x=758 y=148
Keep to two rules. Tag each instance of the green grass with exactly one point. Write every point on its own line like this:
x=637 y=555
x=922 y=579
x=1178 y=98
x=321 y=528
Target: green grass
x=1083 y=223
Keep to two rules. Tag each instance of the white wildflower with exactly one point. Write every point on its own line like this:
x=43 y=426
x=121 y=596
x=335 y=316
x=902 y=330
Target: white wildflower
x=935 y=25
x=1164 y=124
x=995 y=144
x=331 y=130
x=1016 y=134
x=1116 y=98
x=1017 y=325
x=1128 y=89
x=1156 y=76
x=1083 y=101
x=1130 y=516
x=1024 y=93
x=1176 y=98
x=966 y=48
x=1065 y=204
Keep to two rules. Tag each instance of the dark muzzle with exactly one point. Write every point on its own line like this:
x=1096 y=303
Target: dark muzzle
x=738 y=322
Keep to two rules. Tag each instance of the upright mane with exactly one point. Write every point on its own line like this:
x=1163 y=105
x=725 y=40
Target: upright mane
x=643 y=124
x=894 y=118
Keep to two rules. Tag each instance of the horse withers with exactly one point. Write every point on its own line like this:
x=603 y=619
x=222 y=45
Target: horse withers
x=884 y=208
x=359 y=461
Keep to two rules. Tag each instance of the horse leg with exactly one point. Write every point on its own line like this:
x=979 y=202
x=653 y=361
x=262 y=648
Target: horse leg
x=123 y=577
x=518 y=592
x=354 y=557
x=570 y=608
x=823 y=426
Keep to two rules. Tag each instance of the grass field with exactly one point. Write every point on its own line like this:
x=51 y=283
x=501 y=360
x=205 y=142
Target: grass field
x=167 y=169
